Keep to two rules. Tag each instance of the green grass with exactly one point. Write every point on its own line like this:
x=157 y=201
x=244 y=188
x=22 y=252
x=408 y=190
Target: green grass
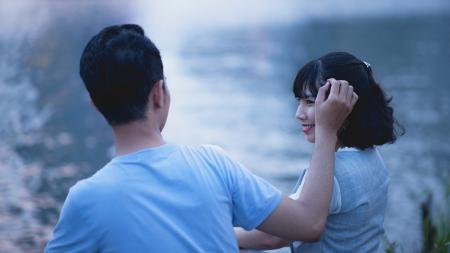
x=391 y=247
x=436 y=233
x=435 y=230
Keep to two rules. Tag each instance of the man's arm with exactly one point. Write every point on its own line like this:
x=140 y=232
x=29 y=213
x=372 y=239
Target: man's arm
x=259 y=240
x=72 y=234
x=305 y=218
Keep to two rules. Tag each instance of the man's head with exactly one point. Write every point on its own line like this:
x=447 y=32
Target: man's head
x=120 y=67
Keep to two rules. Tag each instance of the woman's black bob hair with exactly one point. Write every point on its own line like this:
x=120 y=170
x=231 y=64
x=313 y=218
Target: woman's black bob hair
x=372 y=121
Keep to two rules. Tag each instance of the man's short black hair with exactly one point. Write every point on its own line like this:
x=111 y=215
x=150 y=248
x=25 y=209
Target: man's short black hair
x=371 y=121
x=119 y=67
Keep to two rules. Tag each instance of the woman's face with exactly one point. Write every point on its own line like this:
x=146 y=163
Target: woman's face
x=306 y=115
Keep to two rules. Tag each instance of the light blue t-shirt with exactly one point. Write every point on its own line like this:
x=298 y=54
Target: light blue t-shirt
x=357 y=207
x=170 y=198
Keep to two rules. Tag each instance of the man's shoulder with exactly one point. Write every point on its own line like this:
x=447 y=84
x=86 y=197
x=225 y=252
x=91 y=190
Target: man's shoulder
x=201 y=148
x=102 y=183
x=212 y=158
x=208 y=151
x=84 y=189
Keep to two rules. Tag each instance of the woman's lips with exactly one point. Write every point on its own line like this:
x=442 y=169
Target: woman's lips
x=307 y=127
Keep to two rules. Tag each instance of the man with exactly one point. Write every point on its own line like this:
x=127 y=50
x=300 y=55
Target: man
x=159 y=197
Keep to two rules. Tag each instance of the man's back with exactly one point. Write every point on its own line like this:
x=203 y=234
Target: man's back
x=165 y=199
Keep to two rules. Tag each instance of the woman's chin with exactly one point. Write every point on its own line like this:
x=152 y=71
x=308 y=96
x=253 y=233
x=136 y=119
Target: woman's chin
x=310 y=139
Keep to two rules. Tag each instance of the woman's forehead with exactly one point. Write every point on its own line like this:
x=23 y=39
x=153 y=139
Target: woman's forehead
x=306 y=92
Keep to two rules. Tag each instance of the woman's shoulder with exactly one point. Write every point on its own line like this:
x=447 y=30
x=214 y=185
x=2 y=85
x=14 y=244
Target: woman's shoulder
x=357 y=157
x=361 y=175
x=359 y=165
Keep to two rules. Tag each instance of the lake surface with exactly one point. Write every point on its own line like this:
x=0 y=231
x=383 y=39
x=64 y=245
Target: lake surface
x=231 y=86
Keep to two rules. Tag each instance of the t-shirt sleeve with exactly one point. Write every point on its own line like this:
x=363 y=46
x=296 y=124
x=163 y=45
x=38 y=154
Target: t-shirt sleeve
x=253 y=198
x=336 y=200
x=72 y=233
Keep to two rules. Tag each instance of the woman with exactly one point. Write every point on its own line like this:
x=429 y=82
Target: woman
x=358 y=203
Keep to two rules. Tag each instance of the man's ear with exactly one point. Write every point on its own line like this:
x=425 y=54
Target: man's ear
x=157 y=94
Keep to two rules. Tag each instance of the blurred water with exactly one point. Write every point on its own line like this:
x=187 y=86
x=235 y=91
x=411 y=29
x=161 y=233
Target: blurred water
x=247 y=75
x=230 y=68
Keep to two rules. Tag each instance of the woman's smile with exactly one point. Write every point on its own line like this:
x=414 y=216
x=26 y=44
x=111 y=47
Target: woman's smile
x=307 y=127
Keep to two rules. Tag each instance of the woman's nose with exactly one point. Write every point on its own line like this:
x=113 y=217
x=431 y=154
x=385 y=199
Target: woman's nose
x=300 y=115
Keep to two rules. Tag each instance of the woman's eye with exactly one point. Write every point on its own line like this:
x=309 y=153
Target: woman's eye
x=309 y=102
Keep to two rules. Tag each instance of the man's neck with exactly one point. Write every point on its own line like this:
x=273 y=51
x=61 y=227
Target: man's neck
x=135 y=136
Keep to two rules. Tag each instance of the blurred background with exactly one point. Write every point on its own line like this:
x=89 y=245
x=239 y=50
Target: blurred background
x=230 y=66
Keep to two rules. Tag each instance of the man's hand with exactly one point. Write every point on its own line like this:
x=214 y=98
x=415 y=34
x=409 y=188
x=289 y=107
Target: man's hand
x=331 y=111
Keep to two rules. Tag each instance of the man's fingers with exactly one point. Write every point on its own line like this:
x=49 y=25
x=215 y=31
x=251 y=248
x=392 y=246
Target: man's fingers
x=335 y=87
x=322 y=92
x=354 y=99
x=349 y=93
x=343 y=89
